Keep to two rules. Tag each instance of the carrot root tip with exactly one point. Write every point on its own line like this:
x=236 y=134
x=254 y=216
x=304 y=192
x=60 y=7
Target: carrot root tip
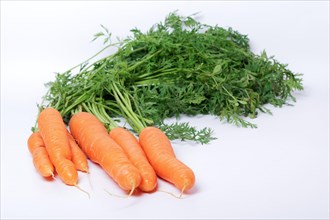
x=53 y=176
x=132 y=190
x=89 y=180
x=120 y=196
x=175 y=196
x=183 y=188
x=82 y=190
x=172 y=194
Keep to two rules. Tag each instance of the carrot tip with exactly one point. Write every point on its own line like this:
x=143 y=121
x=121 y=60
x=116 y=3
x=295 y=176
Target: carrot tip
x=183 y=188
x=120 y=196
x=172 y=194
x=82 y=190
x=115 y=195
x=132 y=190
x=89 y=180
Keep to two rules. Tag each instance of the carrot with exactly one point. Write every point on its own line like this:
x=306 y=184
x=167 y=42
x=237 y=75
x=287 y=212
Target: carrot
x=95 y=141
x=35 y=141
x=135 y=154
x=42 y=163
x=54 y=134
x=40 y=157
x=161 y=156
x=78 y=156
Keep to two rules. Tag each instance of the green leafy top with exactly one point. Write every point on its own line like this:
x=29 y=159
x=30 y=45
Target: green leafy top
x=178 y=66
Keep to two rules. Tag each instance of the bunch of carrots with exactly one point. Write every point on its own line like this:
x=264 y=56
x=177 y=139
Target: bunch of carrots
x=132 y=163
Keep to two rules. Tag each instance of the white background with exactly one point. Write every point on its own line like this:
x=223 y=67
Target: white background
x=279 y=170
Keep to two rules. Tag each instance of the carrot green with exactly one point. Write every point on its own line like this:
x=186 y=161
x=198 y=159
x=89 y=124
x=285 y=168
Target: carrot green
x=179 y=66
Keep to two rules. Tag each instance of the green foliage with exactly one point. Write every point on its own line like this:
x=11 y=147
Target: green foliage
x=178 y=66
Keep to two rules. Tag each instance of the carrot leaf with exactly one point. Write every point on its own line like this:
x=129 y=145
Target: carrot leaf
x=179 y=66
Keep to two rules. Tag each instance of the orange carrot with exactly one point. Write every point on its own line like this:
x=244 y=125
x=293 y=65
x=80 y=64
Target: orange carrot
x=35 y=141
x=161 y=156
x=135 y=154
x=95 y=141
x=78 y=156
x=40 y=157
x=54 y=134
x=42 y=163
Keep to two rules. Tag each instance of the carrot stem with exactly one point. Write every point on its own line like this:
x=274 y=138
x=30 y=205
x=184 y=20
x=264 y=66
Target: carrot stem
x=110 y=45
x=125 y=105
x=99 y=111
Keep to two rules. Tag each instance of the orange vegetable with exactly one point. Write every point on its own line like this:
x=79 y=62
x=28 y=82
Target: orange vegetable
x=78 y=156
x=35 y=141
x=54 y=134
x=95 y=141
x=135 y=154
x=161 y=156
x=40 y=157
